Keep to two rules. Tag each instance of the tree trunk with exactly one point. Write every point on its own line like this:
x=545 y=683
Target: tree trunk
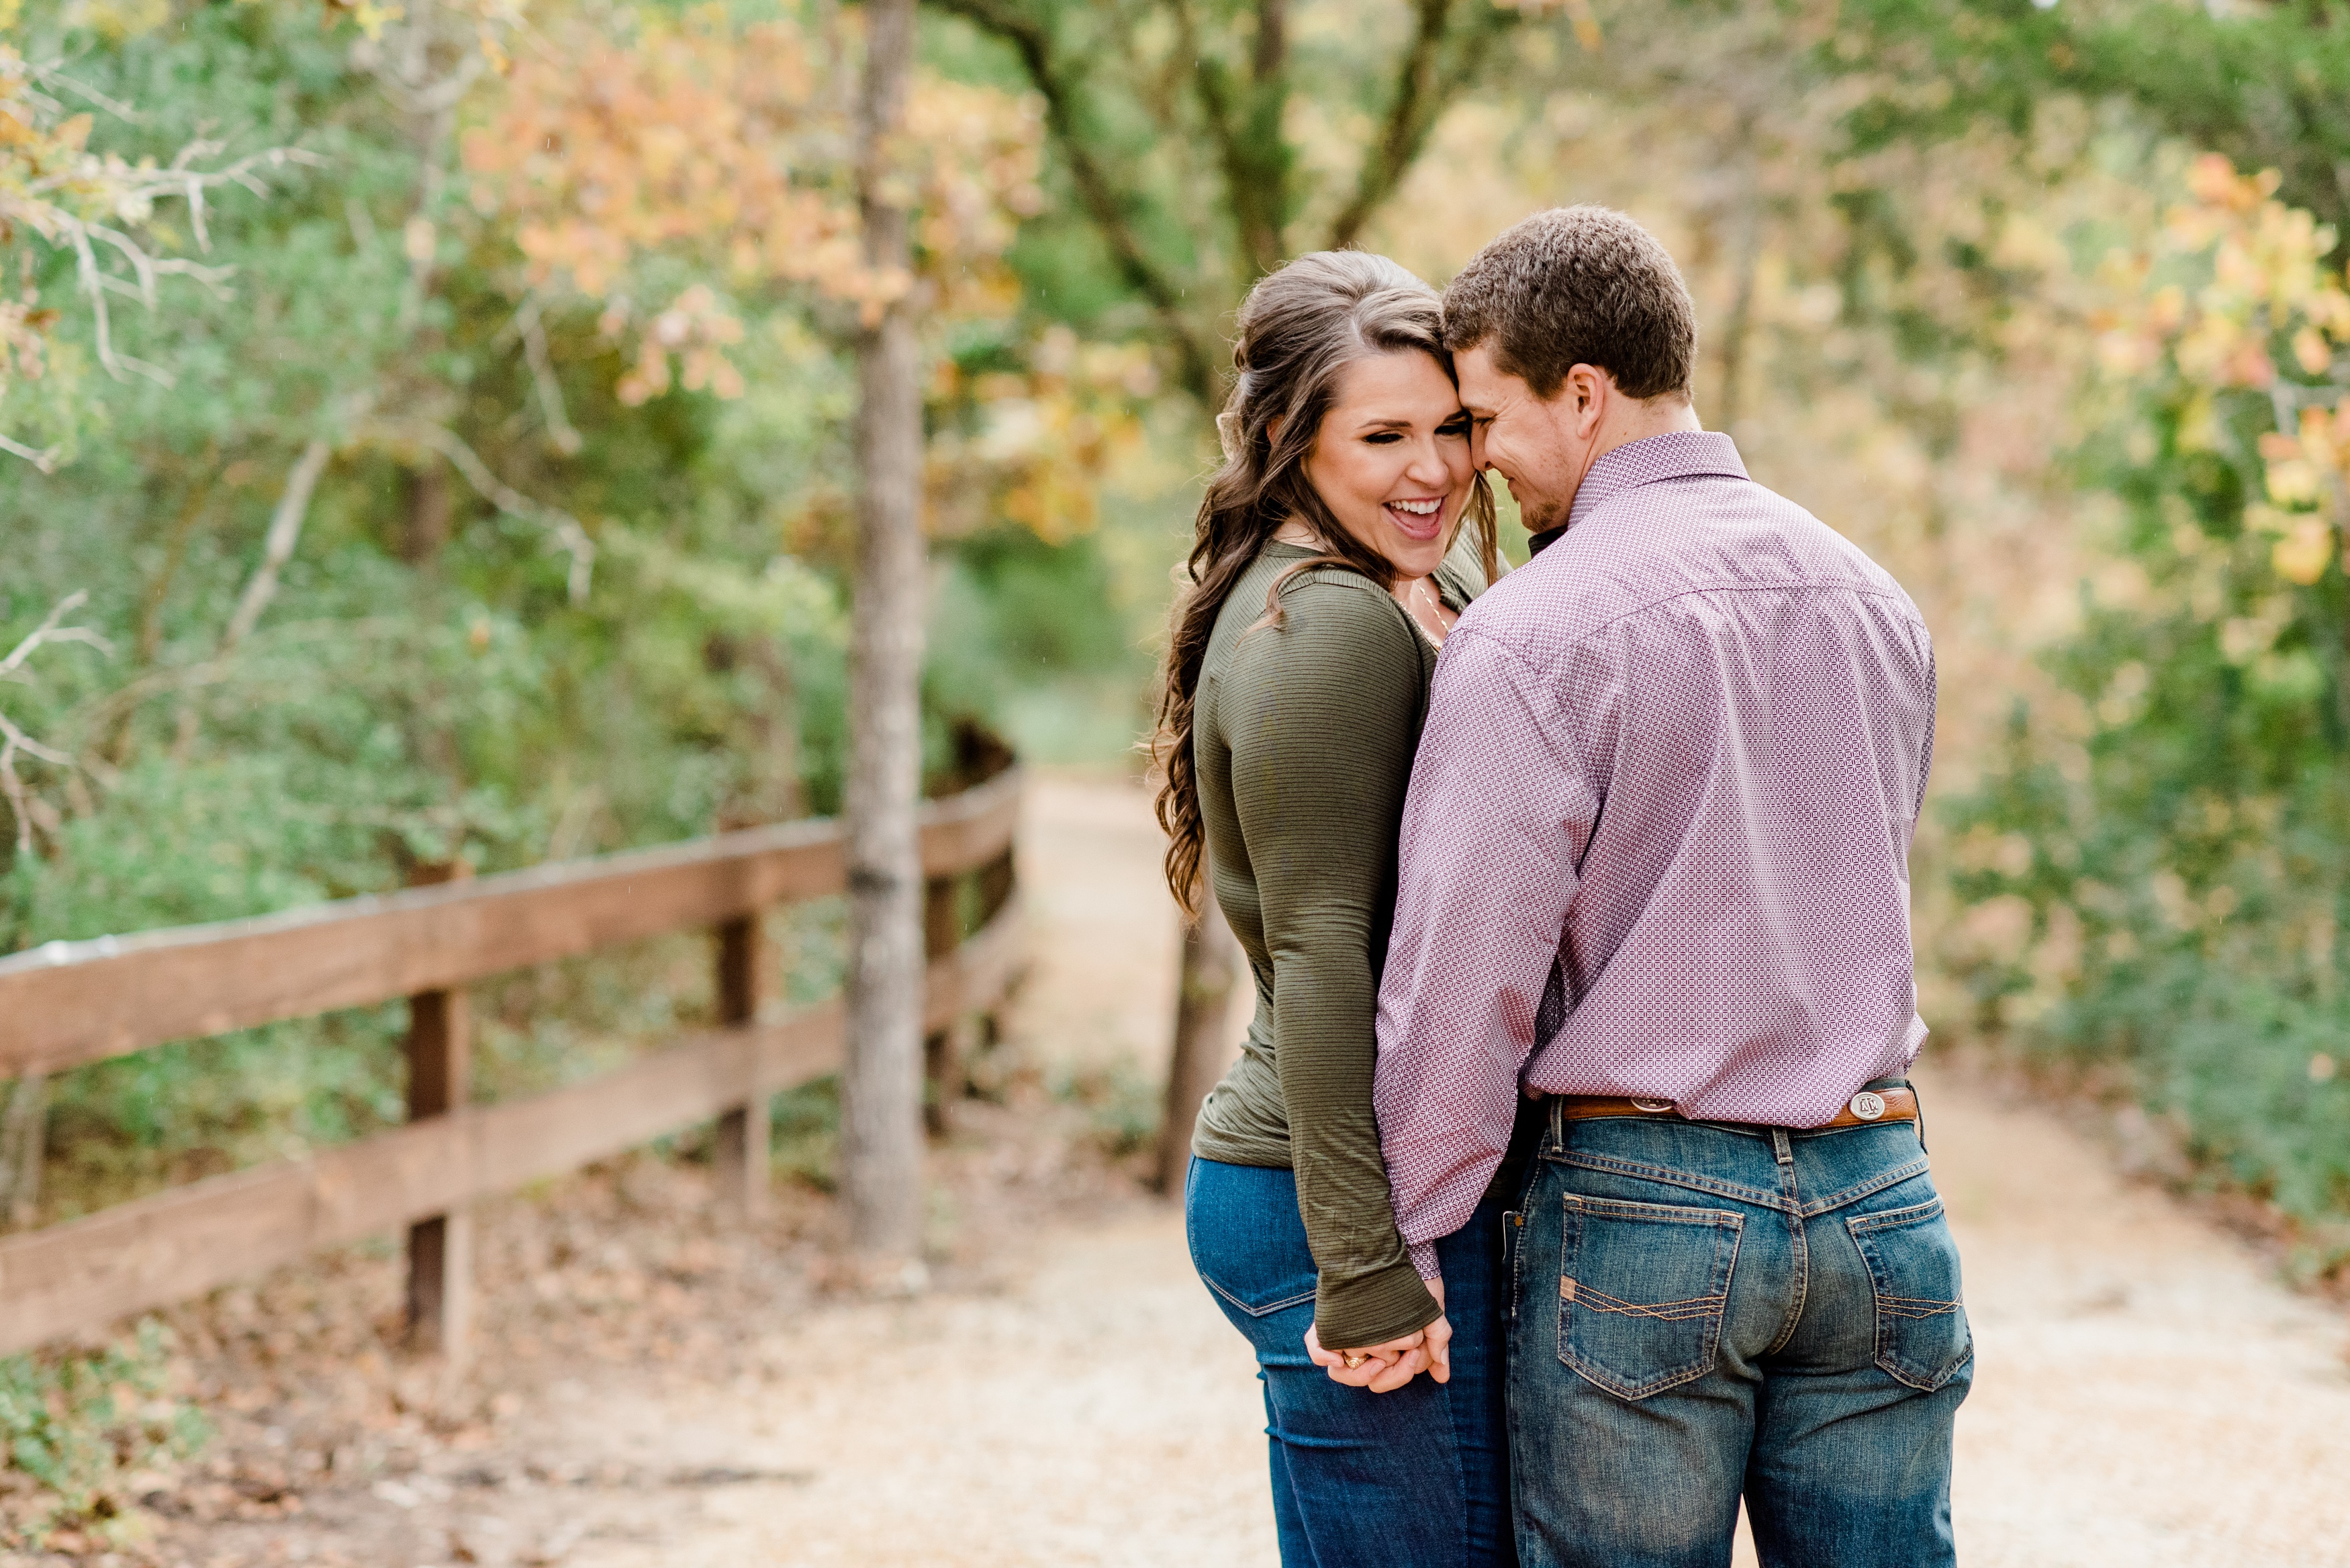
x=430 y=513
x=1210 y=964
x=882 y=1144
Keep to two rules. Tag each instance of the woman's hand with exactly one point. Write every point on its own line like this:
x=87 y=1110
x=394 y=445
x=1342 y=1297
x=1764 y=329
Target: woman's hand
x=1379 y=1367
x=1384 y=1369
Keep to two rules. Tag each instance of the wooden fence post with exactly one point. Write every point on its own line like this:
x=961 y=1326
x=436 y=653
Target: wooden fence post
x=440 y=1080
x=941 y=1054
x=1212 y=962
x=742 y=1154
x=998 y=881
x=995 y=880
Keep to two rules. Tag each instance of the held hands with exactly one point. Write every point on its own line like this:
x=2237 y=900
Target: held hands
x=1383 y=1369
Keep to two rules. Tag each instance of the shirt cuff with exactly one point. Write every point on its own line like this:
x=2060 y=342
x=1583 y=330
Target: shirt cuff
x=1372 y=1308
x=1423 y=1258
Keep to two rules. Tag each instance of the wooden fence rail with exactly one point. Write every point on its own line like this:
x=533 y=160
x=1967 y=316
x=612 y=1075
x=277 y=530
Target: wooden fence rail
x=72 y=1002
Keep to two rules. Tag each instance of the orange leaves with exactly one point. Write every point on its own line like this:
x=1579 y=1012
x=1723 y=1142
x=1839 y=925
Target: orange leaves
x=2213 y=182
x=703 y=163
x=695 y=330
x=2248 y=304
x=724 y=148
x=2268 y=279
x=688 y=137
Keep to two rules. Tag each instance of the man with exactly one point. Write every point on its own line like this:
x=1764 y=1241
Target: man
x=1654 y=871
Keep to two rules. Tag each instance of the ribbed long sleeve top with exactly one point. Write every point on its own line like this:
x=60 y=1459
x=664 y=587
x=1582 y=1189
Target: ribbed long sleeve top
x=1301 y=743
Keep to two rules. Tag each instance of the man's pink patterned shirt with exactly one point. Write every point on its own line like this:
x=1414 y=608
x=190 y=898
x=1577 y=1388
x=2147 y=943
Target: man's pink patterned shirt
x=1658 y=837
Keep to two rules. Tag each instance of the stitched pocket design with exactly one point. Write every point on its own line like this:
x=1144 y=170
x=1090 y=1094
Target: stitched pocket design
x=1641 y=1292
x=1922 y=1337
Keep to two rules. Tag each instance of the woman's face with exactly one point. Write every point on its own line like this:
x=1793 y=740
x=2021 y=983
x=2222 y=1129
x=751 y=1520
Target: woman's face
x=1391 y=460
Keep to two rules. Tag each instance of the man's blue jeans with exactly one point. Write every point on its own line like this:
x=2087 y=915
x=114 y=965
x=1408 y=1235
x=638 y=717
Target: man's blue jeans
x=1702 y=1310
x=1414 y=1479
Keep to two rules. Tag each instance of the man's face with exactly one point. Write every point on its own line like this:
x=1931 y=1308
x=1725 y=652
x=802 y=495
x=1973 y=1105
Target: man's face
x=1538 y=447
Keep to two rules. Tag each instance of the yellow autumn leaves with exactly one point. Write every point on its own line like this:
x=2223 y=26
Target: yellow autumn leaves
x=2268 y=290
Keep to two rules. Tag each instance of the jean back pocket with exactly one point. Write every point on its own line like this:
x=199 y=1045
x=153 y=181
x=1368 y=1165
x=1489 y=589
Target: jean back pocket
x=1641 y=1292
x=1922 y=1337
x=1246 y=1239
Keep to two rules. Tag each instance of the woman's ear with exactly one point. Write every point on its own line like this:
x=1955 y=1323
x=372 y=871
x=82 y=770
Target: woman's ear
x=1272 y=429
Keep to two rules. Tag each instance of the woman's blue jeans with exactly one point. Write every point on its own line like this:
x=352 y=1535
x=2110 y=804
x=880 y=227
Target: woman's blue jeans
x=1418 y=1478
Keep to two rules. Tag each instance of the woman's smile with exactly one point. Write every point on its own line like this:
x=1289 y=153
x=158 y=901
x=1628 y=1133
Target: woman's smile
x=1421 y=516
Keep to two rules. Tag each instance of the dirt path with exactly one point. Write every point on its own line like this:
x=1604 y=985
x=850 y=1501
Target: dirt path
x=2147 y=1396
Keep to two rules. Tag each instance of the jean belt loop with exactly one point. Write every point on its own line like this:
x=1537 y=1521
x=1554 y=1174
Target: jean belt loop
x=1558 y=1125
x=1781 y=1146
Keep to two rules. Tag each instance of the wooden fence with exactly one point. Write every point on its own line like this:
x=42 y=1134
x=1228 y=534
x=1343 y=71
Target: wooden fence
x=68 y=1004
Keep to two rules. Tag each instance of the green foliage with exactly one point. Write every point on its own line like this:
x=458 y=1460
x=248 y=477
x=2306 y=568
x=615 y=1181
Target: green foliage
x=1123 y=1108
x=804 y=1126
x=79 y=1425
x=427 y=684
x=2180 y=847
x=1180 y=170
x=2268 y=86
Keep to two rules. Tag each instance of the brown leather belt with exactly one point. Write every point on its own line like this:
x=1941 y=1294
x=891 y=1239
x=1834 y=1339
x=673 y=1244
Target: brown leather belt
x=1864 y=1109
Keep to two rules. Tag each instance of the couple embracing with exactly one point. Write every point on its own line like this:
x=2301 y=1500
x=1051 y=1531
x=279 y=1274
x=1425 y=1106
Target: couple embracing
x=1569 y=1186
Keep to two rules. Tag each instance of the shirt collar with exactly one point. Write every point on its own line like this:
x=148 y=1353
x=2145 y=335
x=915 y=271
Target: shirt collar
x=1676 y=454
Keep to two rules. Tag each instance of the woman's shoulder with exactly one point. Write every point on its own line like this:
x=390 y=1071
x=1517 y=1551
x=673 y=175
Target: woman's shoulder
x=1327 y=616
x=1461 y=572
x=1327 y=611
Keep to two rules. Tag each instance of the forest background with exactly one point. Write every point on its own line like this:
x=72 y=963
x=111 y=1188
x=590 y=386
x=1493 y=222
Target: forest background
x=428 y=446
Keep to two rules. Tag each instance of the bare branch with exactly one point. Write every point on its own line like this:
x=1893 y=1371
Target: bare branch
x=131 y=189
x=1424 y=85
x=563 y=528
x=50 y=73
x=277 y=546
x=14 y=742
x=44 y=459
x=1238 y=118
x=52 y=629
x=529 y=325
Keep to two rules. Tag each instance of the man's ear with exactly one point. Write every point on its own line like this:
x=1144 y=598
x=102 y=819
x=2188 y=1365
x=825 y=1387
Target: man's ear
x=1588 y=389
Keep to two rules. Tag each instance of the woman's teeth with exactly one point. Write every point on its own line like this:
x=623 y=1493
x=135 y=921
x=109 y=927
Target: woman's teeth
x=1419 y=519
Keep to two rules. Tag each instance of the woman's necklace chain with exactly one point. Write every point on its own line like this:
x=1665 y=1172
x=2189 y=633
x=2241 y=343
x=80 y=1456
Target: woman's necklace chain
x=1433 y=623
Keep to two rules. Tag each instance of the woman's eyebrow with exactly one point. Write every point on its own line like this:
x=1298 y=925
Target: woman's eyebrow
x=1385 y=422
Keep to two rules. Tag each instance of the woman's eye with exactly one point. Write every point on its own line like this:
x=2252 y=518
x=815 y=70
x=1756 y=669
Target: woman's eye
x=1383 y=438
x=1459 y=427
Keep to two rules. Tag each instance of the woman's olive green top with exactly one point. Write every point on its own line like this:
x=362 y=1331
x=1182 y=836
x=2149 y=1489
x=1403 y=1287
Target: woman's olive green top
x=1301 y=742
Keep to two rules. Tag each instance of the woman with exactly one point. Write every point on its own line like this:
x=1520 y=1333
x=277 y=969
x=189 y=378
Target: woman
x=1324 y=579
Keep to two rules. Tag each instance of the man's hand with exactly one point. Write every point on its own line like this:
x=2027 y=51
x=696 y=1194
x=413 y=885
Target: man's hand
x=1384 y=1369
x=1379 y=1367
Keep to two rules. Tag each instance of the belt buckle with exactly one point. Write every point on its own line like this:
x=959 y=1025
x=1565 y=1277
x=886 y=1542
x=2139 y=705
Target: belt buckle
x=1652 y=1106
x=1867 y=1105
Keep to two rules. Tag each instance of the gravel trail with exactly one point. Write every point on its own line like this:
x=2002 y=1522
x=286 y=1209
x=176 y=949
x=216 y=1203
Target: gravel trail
x=2146 y=1396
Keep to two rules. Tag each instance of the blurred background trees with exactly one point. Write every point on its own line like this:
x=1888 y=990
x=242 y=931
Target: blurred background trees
x=476 y=481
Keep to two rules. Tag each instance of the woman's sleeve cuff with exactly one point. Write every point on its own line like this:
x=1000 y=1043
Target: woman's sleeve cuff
x=1373 y=1309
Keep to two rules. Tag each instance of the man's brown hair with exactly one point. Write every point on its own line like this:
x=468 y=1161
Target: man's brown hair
x=1578 y=285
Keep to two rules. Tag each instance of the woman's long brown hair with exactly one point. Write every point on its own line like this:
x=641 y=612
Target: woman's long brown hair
x=1299 y=327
